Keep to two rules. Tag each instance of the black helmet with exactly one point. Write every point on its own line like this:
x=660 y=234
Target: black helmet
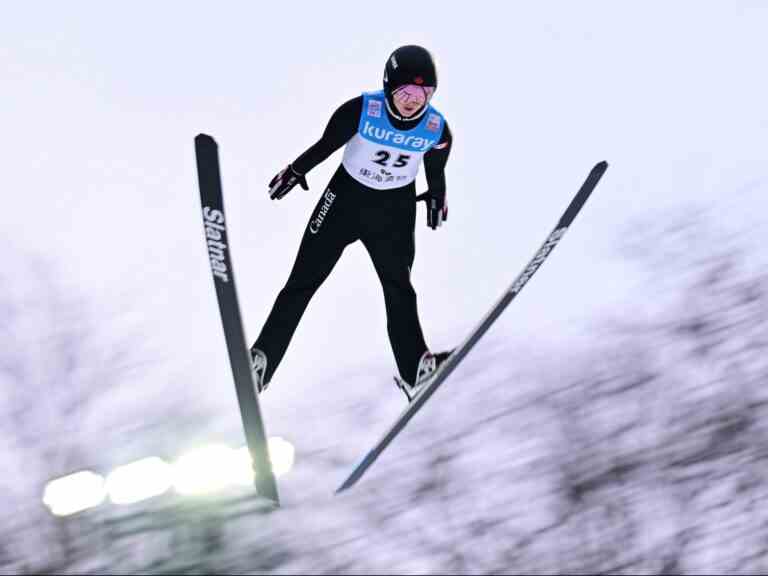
x=409 y=65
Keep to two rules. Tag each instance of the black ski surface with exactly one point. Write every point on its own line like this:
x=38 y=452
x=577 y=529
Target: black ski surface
x=214 y=224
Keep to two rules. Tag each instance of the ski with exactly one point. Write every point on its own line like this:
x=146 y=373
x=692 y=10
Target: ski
x=461 y=351
x=214 y=223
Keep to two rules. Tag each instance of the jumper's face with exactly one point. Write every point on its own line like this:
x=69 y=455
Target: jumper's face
x=411 y=98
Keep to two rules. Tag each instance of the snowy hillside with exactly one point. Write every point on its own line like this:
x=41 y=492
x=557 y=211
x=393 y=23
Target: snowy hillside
x=640 y=450
x=539 y=461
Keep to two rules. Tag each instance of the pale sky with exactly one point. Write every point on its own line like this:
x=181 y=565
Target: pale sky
x=100 y=103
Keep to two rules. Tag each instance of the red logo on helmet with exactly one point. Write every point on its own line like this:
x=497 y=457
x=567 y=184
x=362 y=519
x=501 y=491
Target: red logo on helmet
x=418 y=80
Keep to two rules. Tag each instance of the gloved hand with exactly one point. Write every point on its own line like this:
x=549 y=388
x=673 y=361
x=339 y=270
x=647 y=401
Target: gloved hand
x=437 y=208
x=285 y=180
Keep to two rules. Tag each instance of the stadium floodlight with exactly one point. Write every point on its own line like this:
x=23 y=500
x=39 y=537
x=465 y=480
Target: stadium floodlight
x=140 y=480
x=205 y=470
x=74 y=493
x=242 y=470
x=282 y=454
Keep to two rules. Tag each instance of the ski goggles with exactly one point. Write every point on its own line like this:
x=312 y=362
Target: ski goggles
x=413 y=94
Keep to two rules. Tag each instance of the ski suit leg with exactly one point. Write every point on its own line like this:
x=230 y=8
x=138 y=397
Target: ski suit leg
x=389 y=240
x=330 y=228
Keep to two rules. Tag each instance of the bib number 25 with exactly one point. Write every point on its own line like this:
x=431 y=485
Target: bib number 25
x=383 y=157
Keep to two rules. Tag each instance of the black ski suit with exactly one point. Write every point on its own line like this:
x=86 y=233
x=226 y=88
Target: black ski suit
x=348 y=211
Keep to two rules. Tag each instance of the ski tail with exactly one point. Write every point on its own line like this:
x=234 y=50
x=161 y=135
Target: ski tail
x=583 y=194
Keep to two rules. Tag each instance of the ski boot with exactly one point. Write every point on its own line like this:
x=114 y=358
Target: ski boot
x=259 y=369
x=428 y=366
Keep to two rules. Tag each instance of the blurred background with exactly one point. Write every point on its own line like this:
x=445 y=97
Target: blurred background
x=612 y=421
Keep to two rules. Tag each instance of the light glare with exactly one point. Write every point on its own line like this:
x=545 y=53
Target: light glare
x=74 y=493
x=139 y=481
x=204 y=470
x=282 y=454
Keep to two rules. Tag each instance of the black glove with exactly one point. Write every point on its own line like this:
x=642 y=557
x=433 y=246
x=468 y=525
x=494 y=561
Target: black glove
x=437 y=208
x=285 y=180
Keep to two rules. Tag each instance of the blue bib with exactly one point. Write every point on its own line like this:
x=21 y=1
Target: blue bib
x=383 y=157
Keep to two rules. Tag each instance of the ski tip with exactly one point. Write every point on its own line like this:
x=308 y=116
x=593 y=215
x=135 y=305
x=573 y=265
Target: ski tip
x=204 y=139
x=601 y=166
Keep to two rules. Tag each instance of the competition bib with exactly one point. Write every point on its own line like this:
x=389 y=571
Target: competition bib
x=382 y=157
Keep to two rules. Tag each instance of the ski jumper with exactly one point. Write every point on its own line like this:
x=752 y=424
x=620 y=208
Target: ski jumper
x=371 y=198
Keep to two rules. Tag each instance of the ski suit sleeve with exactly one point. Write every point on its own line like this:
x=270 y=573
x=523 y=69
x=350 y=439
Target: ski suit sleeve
x=435 y=161
x=340 y=129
